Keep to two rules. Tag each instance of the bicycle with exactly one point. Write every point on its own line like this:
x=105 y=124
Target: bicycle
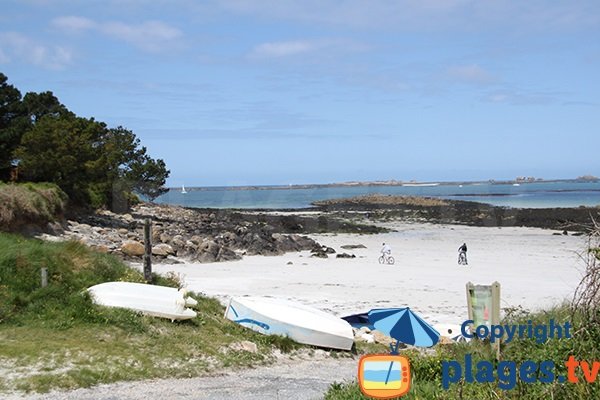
x=386 y=259
x=462 y=258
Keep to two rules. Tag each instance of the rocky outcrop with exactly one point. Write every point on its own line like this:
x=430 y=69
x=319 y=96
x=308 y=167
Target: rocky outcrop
x=195 y=235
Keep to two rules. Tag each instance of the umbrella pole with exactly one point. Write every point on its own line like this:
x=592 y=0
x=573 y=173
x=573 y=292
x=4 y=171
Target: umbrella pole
x=394 y=351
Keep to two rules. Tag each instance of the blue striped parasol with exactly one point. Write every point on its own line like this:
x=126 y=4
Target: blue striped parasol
x=405 y=326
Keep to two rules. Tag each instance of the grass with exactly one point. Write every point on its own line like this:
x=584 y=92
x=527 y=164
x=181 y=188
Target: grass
x=55 y=337
x=30 y=203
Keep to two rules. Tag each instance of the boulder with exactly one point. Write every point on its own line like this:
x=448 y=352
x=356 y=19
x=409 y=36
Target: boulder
x=132 y=248
x=244 y=345
x=383 y=339
x=101 y=248
x=163 y=250
x=353 y=246
x=196 y=239
x=345 y=255
x=321 y=254
x=226 y=254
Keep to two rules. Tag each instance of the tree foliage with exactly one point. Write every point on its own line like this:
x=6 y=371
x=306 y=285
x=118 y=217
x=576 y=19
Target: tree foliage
x=94 y=164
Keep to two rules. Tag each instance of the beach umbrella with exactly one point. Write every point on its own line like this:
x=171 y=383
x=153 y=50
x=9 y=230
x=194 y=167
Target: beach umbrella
x=405 y=326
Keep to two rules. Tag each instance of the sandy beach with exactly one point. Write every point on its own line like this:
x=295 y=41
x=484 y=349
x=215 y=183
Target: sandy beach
x=535 y=268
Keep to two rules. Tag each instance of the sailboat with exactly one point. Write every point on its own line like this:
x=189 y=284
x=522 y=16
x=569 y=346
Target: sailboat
x=183 y=191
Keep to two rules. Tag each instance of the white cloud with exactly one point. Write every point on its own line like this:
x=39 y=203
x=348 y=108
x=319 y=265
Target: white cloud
x=521 y=97
x=17 y=47
x=73 y=23
x=282 y=49
x=151 y=36
x=472 y=73
x=327 y=47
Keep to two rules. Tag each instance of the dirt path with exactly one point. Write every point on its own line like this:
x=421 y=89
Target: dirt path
x=304 y=379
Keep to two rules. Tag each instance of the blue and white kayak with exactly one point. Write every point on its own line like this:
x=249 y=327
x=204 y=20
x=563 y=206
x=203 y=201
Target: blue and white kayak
x=303 y=324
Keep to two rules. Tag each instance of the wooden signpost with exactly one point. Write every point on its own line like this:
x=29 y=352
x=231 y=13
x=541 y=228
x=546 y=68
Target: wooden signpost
x=483 y=305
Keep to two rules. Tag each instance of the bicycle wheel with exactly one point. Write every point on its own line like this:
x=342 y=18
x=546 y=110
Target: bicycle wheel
x=381 y=260
x=390 y=260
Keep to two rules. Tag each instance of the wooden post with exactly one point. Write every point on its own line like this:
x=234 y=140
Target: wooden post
x=148 y=250
x=44 y=277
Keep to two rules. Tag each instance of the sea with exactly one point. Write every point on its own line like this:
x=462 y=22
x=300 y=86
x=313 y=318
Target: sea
x=523 y=195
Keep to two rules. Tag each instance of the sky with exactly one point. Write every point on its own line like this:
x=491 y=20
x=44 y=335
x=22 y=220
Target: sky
x=233 y=92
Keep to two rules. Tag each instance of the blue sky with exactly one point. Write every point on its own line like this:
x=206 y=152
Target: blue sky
x=232 y=92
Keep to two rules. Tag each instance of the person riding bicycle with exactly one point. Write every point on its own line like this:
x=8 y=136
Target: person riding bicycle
x=462 y=253
x=386 y=250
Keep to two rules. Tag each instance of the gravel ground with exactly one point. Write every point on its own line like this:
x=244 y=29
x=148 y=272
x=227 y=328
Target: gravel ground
x=303 y=379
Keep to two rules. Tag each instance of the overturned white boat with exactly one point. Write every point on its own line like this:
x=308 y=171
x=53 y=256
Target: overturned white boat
x=156 y=301
x=300 y=323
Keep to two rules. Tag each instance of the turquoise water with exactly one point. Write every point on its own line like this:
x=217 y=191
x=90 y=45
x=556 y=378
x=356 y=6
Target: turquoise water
x=527 y=195
x=377 y=371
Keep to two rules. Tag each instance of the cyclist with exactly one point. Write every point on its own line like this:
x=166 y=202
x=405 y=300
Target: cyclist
x=386 y=250
x=462 y=254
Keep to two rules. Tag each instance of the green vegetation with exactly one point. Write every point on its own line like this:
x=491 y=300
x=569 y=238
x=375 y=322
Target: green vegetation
x=42 y=141
x=55 y=337
x=30 y=203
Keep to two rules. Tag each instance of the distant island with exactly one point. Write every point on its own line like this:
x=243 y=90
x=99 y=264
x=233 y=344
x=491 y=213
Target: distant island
x=393 y=182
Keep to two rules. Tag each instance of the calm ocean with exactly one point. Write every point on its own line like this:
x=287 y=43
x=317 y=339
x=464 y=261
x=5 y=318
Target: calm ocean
x=526 y=195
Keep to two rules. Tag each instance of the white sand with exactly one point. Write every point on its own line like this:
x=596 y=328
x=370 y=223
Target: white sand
x=534 y=267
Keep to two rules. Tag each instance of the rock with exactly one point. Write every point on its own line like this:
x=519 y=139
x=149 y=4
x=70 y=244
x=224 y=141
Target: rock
x=127 y=217
x=368 y=337
x=444 y=340
x=132 y=248
x=244 y=345
x=123 y=231
x=364 y=329
x=54 y=228
x=241 y=230
x=196 y=239
x=289 y=263
x=353 y=246
x=565 y=233
x=320 y=255
x=226 y=254
x=178 y=242
x=156 y=232
x=329 y=250
x=382 y=338
x=163 y=250
x=230 y=238
x=164 y=238
x=345 y=255
x=101 y=248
